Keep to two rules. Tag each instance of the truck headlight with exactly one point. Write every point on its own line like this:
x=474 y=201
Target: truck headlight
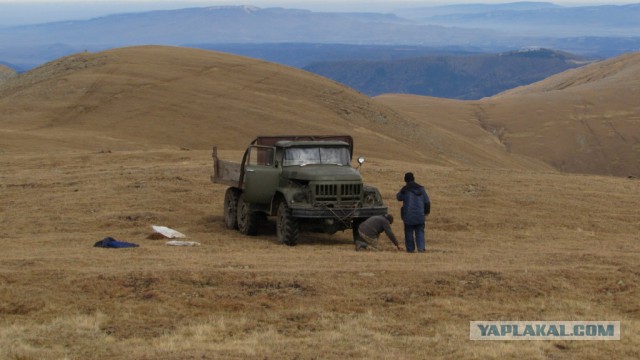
x=300 y=197
x=369 y=199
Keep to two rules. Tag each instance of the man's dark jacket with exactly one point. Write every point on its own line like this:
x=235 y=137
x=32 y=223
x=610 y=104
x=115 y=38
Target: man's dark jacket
x=416 y=203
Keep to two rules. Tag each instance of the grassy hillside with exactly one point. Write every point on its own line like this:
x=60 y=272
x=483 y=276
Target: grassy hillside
x=149 y=97
x=583 y=120
x=109 y=144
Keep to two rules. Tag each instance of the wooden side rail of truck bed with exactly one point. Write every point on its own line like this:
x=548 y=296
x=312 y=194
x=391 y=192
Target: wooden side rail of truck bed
x=225 y=172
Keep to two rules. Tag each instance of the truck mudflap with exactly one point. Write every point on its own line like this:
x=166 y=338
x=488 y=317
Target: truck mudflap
x=336 y=213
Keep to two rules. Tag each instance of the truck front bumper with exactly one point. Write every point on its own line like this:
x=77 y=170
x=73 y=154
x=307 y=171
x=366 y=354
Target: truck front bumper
x=337 y=213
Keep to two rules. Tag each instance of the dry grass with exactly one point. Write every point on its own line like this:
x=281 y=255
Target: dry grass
x=582 y=121
x=98 y=145
x=503 y=245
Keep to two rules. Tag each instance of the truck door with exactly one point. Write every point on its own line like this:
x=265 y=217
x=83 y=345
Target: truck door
x=261 y=176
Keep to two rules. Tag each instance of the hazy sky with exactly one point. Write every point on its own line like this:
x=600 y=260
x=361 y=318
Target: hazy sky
x=338 y=3
x=333 y=3
x=22 y=12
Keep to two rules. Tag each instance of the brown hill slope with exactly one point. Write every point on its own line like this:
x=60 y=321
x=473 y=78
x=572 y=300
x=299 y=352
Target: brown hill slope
x=583 y=120
x=150 y=97
x=6 y=72
x=503 y=244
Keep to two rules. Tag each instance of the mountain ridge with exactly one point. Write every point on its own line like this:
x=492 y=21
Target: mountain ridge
x=148 y=97
x=583 y=120
x=152 y=96
x=31 y=45
x=6 y=72
x=456 y=77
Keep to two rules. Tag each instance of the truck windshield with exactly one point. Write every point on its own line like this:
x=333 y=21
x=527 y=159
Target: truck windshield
x=316 y=155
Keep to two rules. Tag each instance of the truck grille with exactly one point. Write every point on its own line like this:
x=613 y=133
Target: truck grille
x=337 y=194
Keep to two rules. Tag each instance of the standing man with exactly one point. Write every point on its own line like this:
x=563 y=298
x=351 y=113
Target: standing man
x=371 y=228
x=415 y=208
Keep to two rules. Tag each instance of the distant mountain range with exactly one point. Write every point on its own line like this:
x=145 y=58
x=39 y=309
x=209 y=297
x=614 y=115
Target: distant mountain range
x=487 y=28
x=536 y=19
x=457 y=77
x=317 y=40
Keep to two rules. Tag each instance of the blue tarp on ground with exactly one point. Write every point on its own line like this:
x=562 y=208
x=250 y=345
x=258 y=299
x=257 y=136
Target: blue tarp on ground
x=110 y=242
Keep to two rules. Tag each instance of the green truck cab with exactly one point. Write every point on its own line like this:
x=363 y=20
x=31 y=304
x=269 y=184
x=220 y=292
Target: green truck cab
x=306 y=182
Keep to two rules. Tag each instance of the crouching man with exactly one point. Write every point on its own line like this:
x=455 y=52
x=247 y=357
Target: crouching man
x=371 y=229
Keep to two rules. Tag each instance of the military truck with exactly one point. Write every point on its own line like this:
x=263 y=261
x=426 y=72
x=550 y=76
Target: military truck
x=306 y=182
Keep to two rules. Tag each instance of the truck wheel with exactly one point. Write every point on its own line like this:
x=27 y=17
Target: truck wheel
x=287 y=225
x=247 y=219
x=231 y=208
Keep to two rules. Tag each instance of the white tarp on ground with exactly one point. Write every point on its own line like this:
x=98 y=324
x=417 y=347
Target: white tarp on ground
x=168 y=233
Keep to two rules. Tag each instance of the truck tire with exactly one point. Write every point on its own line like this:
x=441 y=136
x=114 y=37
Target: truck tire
x=286 y=225
x=247 y=219
x=231 y=208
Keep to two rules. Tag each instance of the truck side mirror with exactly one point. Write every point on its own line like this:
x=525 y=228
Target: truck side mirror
x=360 y=161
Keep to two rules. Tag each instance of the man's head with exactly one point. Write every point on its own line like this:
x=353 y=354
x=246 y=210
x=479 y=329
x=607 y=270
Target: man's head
x=389 y=218
x=408 y=177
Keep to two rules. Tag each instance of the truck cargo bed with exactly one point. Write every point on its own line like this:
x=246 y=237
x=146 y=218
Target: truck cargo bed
x=225 y=172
